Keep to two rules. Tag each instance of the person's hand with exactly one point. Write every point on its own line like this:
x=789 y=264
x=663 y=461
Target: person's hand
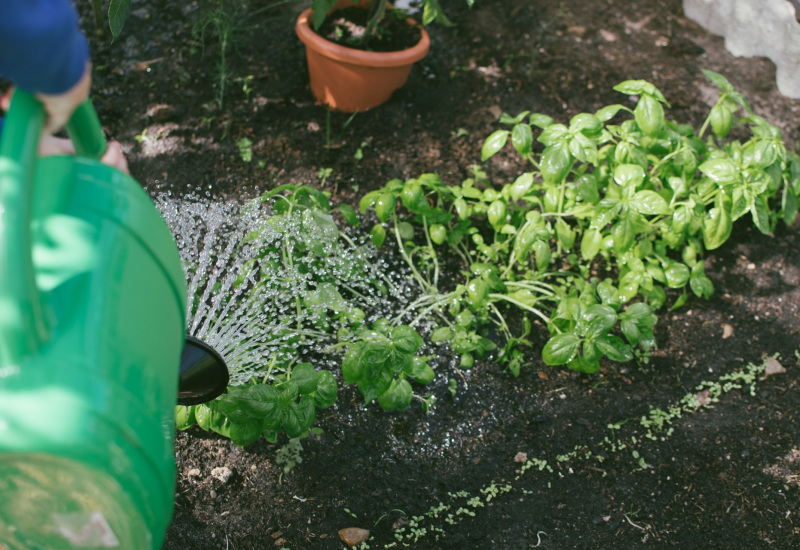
x=59 y=107
x=114 y=157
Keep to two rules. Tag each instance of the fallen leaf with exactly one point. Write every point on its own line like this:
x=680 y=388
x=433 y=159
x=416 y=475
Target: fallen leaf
x=608 y=36
x=521 y=457
x=703 y=397
x=353 y=536
x=727 y=331
x=773 y=366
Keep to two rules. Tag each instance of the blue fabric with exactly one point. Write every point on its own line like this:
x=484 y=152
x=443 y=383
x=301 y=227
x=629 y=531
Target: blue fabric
x=42 y=49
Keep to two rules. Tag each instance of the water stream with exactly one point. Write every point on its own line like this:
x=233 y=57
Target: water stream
x=259 y=295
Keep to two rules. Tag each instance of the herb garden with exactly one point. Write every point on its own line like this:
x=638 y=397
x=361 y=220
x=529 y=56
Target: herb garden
x=546 y=296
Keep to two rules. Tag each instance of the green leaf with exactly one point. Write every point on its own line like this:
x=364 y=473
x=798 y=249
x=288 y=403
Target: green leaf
x=677 y=275
x=554 y=134
x=305 y=378
x=590 y=244
x=650 y=203
x=184 y=417
x=349 y=214
x=368 y=200
x=699 y=283
x=719 y=81
x=298 y=417
x=717 y=223
x=245 y=434
x=581 y=364
x=375 y=384
x=397 y=397
x=353 y=362
x=721 y=120
x=560 y=349
x=118 y=12
x=649 y=115
x=720 y=170
x=442 y=334
x=614 y=348
x=378 y=235
x=629 y=175
x=406 y=339
x=521 y=186
x=789 y=205
x=493 y=144
x=556 y=162
x=326 y=392
x=608 y=112
x=420 y=371
x=540 y=120
x=760 y=214
x=624 y=234
x=565 y=234
x=598 y=319
x=522 y=138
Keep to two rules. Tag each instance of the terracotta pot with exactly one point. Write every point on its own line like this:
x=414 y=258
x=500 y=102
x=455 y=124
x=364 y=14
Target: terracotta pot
x=353 y=80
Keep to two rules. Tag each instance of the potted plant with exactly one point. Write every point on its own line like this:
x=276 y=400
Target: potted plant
x=347 y=71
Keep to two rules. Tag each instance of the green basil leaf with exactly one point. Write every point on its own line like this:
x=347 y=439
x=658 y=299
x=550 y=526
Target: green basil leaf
x=721 y=170
x=349 y=214
x=375 y=384
x=556 y=162
x=629 y=175
x=717 y=224
x=368 y=200
x=353 y=362
x=406 y=339
x=677 y=275
x=298 y=417
x=719 y=81
x=421 y=371
x=377 y=235
x=521 y=186
x=493 y=144
x=649 y=203
x=649 y=115
x=760 y=214
x=560 y=349
x=522 y=138
x=699 y=283
x=584 y=365
x=721 y=120
x=245 y=434
x=608 y=112
x=614 y=348
x=397 y=397
x=540 y=121
x=624 y=234
x=184 y=417
x=598 y=319
x=442 y=334
x=590 y=244
x=305 y=378
x=789 y=205
x=553 y=134
x=326 y=393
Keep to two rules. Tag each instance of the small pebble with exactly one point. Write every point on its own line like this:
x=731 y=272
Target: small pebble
x=353 y=536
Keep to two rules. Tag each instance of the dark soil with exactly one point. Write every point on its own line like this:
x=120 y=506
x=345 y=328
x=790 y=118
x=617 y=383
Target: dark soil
x=726 y=477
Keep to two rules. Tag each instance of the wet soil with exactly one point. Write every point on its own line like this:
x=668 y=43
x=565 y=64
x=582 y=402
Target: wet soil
x=725 y=476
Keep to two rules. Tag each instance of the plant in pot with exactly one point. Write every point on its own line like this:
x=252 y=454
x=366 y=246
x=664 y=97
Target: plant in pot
x=351 y=63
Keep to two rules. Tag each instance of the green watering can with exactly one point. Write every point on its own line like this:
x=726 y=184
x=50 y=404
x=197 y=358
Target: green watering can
x=92 y=349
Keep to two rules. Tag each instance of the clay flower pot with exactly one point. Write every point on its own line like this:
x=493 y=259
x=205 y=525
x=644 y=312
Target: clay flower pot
x=353 y=80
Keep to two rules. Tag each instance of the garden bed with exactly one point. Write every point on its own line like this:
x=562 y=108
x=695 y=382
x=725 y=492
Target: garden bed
x=720 y=474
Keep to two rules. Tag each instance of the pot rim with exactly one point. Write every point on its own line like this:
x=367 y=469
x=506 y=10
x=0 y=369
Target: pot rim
x=360 y=57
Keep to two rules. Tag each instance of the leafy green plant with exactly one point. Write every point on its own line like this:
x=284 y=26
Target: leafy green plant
x=380 y=361
x=603 y=220
x=298 y=291
x=377 y=12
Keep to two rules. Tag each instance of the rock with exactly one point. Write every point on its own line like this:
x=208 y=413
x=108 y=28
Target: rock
x=727 y=331
x=773 y=366
x=223 y=474
x=353 y=536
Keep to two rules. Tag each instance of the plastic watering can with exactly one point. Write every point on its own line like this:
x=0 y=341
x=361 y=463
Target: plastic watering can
x=92 y=317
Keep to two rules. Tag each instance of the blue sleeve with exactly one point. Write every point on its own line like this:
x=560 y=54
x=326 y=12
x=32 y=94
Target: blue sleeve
x=42 y=48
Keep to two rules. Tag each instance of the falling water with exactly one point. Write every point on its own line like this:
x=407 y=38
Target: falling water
x=250 y=281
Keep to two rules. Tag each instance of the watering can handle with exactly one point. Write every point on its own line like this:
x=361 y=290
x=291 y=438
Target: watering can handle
x=24 y=327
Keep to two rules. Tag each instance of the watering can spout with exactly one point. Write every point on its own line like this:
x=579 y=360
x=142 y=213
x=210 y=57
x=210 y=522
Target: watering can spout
x=203 y=374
